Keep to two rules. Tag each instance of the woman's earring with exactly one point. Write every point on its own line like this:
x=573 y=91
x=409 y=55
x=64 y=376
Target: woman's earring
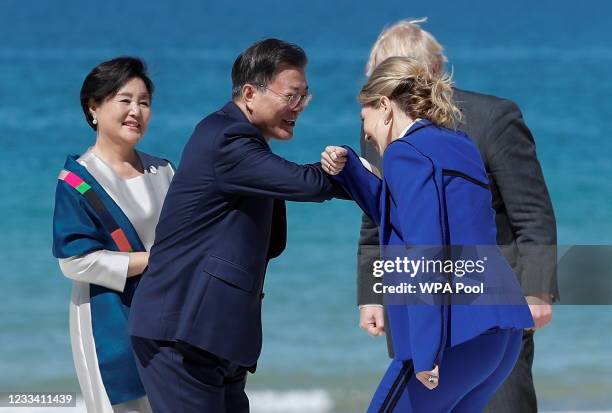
x=94 y=121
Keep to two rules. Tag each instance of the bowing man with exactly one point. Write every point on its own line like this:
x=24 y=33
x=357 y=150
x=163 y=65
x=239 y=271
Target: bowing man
x=196 y=316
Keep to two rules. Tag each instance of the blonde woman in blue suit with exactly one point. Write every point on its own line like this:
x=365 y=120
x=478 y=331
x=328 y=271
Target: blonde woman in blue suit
x=448 y=357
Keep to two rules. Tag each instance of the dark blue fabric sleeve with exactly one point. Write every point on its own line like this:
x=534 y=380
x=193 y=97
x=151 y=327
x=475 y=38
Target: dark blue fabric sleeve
x=362 y=186
x=247 y=166
x=75 y=228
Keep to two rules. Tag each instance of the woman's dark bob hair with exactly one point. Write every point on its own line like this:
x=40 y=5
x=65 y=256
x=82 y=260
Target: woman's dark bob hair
x=107 y=78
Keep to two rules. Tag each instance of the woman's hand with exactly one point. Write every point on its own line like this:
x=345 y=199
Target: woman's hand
x=138 y=263
x=333 y=159
x=429 y=378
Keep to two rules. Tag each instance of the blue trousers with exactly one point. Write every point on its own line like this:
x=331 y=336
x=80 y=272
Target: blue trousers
x=470 y=373
x=180 y=378
x=517 y=393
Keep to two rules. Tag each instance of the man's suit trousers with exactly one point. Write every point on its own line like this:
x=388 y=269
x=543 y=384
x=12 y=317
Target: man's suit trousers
x=180 y=378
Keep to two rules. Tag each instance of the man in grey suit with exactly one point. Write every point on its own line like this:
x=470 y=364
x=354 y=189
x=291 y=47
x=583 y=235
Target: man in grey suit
x=526 y=228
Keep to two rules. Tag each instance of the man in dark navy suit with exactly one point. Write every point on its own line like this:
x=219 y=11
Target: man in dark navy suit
x=196 y=316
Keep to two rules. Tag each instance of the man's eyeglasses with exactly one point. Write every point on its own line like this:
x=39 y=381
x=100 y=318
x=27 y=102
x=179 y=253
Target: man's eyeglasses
x=293 y=101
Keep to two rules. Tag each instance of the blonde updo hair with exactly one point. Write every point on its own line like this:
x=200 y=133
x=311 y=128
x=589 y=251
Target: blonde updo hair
x=418 y=92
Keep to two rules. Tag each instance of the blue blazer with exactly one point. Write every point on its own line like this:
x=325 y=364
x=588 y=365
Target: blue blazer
x=435 y=192
x=222 y=220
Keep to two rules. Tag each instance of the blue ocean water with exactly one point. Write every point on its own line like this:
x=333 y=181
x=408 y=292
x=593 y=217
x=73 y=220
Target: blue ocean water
x=552 y=58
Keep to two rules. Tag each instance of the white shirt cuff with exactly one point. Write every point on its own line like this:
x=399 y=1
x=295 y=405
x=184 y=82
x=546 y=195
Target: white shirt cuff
x=103 y=267
x=370 y=305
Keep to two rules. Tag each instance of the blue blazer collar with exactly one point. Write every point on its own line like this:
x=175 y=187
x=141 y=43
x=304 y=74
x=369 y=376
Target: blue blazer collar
x=418 y=125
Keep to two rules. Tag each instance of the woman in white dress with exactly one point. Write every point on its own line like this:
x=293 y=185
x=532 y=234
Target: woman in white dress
x=107 y=205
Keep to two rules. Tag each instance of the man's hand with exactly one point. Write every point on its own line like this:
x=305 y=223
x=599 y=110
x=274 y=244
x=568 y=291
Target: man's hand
x=333 y=159
x=429 y=378
x=372 y=320
x=541 y=310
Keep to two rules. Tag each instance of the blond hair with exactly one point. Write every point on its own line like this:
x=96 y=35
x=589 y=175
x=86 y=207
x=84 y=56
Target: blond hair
x=406 y=38
x=418 y=92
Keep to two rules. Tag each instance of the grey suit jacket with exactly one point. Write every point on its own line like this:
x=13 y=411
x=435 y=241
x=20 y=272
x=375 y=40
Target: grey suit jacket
x=526 y=228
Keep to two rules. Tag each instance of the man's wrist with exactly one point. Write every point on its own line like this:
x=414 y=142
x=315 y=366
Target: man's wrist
x=362 y=306
x=548 y=298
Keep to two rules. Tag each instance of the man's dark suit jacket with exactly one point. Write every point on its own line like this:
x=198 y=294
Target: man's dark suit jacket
x=525 y=220
x=222 y=220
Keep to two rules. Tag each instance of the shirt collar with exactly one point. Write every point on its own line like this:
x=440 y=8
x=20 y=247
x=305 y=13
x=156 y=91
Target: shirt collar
x=407 y=128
